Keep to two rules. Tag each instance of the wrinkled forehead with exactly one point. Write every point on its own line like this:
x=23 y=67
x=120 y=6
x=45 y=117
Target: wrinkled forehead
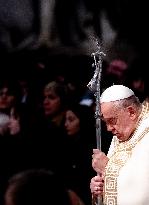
x=108 y=109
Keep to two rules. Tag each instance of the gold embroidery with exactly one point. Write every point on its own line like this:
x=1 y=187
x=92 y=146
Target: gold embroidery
x=112 y=171
x=119 y=157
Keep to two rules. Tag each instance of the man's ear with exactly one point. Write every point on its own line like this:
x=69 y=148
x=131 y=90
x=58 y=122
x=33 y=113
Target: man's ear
x=132 y=112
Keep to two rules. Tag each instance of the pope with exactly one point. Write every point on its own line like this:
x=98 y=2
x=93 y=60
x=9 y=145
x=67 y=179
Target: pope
x=123 y=174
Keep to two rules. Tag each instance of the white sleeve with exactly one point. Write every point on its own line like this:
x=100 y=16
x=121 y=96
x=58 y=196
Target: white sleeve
x=133 y=180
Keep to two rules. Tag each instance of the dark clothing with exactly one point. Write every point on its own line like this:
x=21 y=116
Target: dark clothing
x=10 y=158
x=47 y=145
x=79 y=168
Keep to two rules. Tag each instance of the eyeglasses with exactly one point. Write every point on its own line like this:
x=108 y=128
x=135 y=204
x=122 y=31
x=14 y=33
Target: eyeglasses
x=110 y=121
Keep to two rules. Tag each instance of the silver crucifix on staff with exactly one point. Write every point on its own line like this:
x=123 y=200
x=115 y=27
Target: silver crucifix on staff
x=94 y=86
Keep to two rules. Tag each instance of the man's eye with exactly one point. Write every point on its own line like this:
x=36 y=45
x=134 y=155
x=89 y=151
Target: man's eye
x=112 y=121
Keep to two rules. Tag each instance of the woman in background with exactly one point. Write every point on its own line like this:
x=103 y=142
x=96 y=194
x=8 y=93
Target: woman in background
x=80 y=129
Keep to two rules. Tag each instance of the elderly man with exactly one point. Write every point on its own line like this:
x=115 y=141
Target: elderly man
x=123 y=175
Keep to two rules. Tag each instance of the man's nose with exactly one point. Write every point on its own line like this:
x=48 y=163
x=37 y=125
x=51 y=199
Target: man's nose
x=110 y=127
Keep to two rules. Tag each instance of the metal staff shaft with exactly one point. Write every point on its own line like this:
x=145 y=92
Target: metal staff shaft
x=94 y=86
x=98 y=112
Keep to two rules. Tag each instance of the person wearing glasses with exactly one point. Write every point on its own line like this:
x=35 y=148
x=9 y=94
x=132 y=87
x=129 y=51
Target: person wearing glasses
x=122 y=175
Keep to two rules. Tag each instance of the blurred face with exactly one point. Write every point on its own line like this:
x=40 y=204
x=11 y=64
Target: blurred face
x=117 y=68
x=8 y=196
x=51 y=102
x=120 y=121
x=72 y=123
x=6 y=99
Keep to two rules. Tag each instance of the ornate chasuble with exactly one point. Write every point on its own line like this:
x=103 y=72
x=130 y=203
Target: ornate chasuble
x=119 y=154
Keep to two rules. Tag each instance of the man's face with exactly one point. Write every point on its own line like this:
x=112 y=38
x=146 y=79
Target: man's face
x=118 y=120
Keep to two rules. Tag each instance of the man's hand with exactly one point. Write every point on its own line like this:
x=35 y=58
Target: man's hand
x=96 y=185
x=99 y=161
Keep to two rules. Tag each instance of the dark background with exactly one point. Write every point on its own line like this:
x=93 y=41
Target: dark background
x=60 y=34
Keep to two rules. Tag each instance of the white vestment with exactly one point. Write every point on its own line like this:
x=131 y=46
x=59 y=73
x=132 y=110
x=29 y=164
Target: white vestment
x=127 y=172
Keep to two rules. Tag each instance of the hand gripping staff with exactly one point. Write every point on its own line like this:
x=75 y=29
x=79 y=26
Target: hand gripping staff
x=94 y=86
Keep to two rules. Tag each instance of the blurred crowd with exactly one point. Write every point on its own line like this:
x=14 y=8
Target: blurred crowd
x=49 y=124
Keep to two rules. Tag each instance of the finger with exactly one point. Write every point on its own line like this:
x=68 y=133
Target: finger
x=93 y=155
x=95 y=180
x=99 y=179
x=95 y=164
x=99 y=188
x=12 y=113
x=96 y=151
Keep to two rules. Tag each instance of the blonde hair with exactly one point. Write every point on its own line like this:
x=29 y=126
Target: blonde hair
x=60 y=89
